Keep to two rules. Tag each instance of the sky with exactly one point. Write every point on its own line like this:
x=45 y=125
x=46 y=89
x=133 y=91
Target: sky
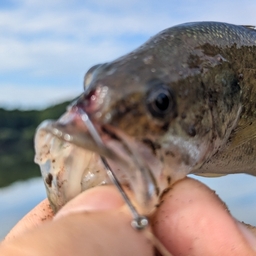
x=47 y=46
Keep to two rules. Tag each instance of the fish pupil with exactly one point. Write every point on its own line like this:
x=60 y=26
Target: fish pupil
x=162 y=101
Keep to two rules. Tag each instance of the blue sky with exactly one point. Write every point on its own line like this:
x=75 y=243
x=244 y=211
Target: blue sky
x=47 y=46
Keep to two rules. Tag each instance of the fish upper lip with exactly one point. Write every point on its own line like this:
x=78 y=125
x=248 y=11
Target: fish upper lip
x=92 y=100
x=72 y=129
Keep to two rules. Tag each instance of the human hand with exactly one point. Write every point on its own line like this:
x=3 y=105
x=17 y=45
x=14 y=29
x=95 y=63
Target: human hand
x=191 y=220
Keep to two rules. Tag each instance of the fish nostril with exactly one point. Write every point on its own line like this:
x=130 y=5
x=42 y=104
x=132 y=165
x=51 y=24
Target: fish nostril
x=91 y=96
x=90 y=101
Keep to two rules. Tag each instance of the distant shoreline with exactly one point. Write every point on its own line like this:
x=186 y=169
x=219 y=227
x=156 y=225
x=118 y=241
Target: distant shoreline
x=17 y=129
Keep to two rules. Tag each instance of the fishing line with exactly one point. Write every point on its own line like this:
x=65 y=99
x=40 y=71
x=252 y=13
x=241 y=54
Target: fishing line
x=139 y=222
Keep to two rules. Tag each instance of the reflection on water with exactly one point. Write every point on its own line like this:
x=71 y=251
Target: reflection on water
x=238 y=191
x=18 y=199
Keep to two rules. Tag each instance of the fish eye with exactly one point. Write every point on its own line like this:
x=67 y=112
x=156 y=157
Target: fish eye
x=160 y=101
x=89 y=75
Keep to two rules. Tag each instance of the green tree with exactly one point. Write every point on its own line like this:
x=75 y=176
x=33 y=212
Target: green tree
x=17 y=129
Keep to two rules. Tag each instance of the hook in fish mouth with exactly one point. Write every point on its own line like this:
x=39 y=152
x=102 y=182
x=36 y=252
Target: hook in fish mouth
x=71 y=128
x=73 y=131
x=139 y=222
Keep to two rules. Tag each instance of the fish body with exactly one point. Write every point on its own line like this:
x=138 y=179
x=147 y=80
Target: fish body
x=183 y=102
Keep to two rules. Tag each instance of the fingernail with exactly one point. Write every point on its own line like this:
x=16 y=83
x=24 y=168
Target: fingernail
x=249 y=236
x=96 y=199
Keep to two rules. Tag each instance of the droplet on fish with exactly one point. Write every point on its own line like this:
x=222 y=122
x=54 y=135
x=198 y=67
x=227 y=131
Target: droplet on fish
x=108 y=116
x=67 y=137
x=148 y=60
x=111 y=71
x=98 y=114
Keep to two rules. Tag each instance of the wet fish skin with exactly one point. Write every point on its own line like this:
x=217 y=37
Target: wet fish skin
x=209 y=70
x=183 y=102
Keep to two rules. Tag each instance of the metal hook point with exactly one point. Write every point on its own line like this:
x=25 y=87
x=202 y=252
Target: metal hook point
x=140 y=222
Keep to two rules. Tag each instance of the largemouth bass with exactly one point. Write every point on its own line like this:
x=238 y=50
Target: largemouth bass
x=183 y=102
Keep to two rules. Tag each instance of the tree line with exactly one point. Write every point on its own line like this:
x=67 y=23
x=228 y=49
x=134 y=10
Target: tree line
x=17 y=130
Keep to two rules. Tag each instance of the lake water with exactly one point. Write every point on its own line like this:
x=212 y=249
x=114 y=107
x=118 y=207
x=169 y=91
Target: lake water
x=238 y=191
x=18 y=199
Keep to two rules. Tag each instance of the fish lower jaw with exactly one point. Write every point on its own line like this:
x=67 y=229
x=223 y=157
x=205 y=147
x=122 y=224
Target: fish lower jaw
x=67 y=170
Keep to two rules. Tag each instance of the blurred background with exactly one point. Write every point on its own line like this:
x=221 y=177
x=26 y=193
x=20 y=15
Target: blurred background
x=46 y=48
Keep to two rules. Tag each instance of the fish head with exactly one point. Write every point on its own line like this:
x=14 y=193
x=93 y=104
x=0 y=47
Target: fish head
x=157 y=111
x=181 y=104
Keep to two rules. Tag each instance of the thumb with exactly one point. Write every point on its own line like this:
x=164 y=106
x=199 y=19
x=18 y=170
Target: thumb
x=94 y=223
x=192 y=220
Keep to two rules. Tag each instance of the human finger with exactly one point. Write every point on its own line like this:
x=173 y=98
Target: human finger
x=87 y=231
x=192 y=220
x=41 y=213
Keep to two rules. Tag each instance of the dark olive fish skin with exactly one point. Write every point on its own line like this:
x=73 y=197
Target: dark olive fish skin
x=209 y=68
x=184 y=102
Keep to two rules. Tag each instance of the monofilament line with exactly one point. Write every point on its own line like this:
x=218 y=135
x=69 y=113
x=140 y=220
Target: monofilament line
x=139 y=222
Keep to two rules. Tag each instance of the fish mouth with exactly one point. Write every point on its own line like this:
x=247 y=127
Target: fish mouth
x=69 y=154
